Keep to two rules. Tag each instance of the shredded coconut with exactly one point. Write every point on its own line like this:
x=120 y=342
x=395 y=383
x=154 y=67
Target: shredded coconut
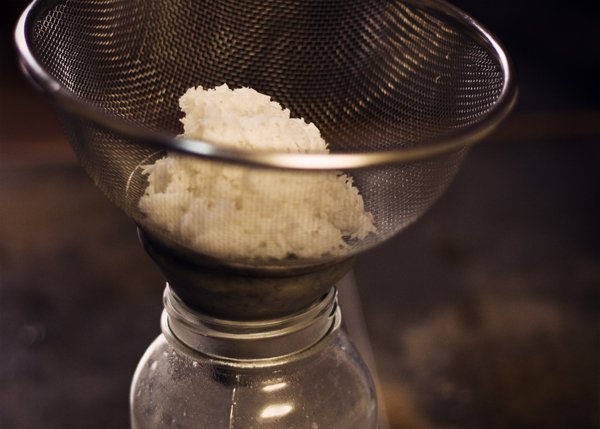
x=229 y=211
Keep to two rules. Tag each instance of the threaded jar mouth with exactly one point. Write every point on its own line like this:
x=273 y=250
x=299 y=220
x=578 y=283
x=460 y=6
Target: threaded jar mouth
x=248 y=340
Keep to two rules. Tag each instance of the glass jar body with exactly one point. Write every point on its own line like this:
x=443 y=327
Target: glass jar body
x=326 y=386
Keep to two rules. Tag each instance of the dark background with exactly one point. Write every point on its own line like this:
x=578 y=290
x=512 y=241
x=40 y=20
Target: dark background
x=484 y=314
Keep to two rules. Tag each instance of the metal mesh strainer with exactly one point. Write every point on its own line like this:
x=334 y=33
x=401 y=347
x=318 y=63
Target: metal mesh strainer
x=399 y=89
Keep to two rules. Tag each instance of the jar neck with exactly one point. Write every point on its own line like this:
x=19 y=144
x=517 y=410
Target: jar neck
x=248 y=340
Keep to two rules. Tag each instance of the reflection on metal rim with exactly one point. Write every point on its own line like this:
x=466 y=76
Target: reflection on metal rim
x=334 y=161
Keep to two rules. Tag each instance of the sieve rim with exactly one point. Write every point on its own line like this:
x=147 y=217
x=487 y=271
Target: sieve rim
x=427 y=148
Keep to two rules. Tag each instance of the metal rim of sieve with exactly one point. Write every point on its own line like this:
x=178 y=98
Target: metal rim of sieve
x=332 y=161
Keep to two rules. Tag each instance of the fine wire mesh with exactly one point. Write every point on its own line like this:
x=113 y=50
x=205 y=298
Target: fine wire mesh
x=372 y=75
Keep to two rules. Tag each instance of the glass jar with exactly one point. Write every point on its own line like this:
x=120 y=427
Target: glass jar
x=299 y=371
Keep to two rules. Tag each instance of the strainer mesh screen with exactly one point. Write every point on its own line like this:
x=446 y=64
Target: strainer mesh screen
x=372 y=75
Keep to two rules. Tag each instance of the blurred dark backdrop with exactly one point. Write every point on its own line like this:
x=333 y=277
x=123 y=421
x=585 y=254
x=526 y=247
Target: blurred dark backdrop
x=484 y=314
x=554 y=46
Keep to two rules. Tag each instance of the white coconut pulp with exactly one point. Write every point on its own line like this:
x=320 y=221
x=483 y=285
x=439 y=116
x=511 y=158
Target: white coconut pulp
x=229 y=211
